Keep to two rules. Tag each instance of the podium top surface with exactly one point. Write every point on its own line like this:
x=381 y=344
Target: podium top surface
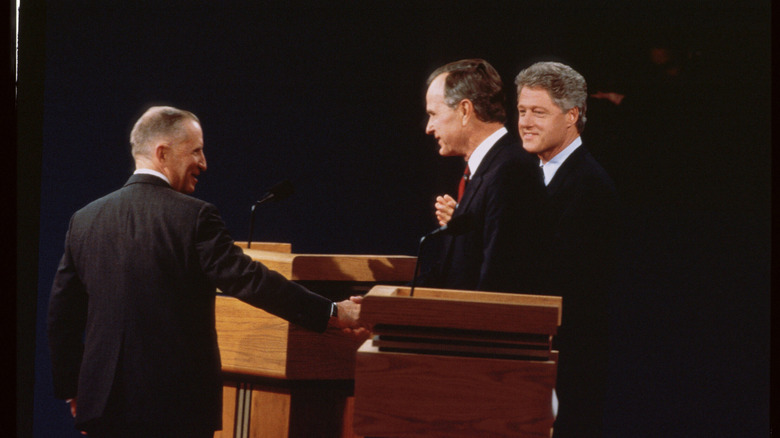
x=331 y=267
x=462 y=310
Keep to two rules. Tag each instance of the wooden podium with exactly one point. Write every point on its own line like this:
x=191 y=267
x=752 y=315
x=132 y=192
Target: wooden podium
x=281 y=380
x=449 y=363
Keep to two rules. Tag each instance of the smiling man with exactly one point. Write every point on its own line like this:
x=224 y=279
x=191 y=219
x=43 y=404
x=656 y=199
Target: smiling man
x=579 y=237
x=131 y=313
x=169 y=144
x=499 y=190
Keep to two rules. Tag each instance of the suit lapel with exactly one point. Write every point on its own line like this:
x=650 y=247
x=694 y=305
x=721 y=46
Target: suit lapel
x=565 y=170
x=473 y=186
x=476 y=179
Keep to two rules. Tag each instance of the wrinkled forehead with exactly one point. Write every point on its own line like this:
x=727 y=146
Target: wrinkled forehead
x=435 y=94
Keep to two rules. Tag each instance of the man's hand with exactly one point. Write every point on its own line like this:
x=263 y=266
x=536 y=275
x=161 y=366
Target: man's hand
x=349 y=318
x=445 y=206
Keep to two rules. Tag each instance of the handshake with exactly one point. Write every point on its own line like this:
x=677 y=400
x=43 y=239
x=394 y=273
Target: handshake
x=347 y=318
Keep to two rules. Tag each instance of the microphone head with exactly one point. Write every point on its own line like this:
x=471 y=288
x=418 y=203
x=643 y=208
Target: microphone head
x=281 y=190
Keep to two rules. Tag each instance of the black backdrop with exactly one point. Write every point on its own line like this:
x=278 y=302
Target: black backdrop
x=331 y=97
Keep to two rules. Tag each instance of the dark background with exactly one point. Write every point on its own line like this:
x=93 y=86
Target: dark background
x=332 y=98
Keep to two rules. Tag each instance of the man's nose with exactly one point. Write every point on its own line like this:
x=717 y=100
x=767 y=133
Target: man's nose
x=202 y=162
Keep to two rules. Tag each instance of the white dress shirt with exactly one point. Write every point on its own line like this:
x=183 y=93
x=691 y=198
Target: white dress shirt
x=549 y=168
x=152 y=172
x=483 y=148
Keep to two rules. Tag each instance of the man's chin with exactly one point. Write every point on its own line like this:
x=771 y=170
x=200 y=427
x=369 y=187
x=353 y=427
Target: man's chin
x=446 y=153
x=530 y=148
x=191 y=186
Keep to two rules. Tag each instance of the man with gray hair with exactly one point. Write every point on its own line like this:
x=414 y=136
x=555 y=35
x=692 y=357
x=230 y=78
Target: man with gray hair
x=498 y=191
x=578 y=252
x=131 y=313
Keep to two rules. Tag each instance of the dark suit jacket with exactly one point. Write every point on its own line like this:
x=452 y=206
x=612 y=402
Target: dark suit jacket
x=138 y=279
x=579 y=251
x=498 y=251
x=582 y=219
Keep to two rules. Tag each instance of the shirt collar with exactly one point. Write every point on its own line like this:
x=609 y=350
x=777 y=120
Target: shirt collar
x=479 y=153
x=549 y=168
x=152 y=172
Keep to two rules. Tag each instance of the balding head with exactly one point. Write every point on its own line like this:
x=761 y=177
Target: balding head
x=158 y=122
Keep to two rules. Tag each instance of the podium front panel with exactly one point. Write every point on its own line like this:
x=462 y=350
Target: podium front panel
x=456 y=363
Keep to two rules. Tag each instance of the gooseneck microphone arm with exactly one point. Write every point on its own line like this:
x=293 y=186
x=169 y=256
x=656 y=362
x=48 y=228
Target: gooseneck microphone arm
x=277 y=193
x=251 y=225
x=457 y=225
x=417 y=265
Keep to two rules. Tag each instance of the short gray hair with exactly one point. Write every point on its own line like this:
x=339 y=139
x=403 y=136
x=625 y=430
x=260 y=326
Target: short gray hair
x=478 y=81
x=156 y=122
x=566 y=87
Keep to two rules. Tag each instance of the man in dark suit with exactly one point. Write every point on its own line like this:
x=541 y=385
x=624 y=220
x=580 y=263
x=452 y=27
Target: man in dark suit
x=131 y=314
x=465 y=106
x=579 y=233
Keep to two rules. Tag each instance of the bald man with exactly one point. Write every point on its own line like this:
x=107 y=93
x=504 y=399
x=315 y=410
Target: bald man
x=131 y=313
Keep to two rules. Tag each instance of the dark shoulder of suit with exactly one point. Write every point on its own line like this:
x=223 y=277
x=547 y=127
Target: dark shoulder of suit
x=582 y=216
x=500 y=198
x=188 y=237
x=150 y=259
x=580 y=250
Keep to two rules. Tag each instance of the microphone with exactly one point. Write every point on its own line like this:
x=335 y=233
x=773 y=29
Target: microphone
x=456 y=226
x=279 y=192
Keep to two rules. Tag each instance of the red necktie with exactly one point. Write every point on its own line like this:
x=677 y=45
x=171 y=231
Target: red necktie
x=463 y=182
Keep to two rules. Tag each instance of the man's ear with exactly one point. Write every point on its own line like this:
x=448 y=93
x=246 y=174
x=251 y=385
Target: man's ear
x=573 y=115
x=465 y=111
x=161 y=151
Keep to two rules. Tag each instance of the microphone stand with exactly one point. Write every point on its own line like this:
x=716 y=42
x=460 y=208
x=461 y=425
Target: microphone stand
x=456 y=225
x=251 y=226
x=252 y=217
x=417 y=265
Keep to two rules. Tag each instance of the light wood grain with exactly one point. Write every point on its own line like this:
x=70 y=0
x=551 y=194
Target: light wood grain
x=333 y=267
x=270 y=414
x=268 y=246
x=256 y=343
x=251 y=340
x=256 y=346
